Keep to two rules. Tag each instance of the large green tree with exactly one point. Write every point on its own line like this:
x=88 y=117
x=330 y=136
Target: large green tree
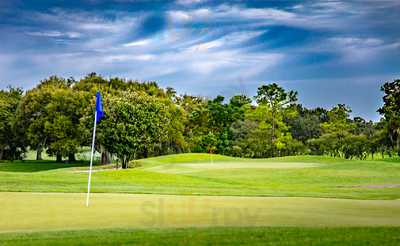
x=62 y=126
x=196 y=120
x=12 y=144
x=342 y=137
x=274 y=99
x=305 y=124
x=135 y=124
x=50 y=115
x=391 y=111
x=113 y=87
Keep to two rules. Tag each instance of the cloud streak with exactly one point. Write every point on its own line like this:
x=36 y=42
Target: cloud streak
x=204 y=47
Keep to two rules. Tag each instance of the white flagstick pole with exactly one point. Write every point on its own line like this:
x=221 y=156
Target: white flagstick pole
x=91 y=159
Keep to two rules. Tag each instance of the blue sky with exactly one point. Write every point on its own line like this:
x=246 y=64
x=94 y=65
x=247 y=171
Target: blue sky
x=330 y=51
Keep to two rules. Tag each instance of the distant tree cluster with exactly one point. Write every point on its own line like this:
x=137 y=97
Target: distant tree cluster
x=142 y=120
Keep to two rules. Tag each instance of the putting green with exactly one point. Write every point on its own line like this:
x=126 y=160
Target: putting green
x=55 y=211
x=222 y=165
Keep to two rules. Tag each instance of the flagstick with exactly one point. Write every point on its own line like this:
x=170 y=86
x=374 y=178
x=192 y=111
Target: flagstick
x=91 y=159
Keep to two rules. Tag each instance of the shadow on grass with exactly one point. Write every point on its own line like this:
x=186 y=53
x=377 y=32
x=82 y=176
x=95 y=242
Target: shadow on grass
x=37 y=166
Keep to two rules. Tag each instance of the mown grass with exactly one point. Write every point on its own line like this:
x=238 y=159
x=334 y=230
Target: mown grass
x=294 y=212
x=330 y=177
x=212 y=236
x=22 y=211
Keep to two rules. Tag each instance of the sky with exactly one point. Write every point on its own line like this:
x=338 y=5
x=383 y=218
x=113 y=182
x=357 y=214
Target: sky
x=329 y=51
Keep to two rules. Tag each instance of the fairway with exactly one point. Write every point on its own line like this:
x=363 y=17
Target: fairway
x=56 y=211
x=213 y=198
x=200 y=122
x=203 y=174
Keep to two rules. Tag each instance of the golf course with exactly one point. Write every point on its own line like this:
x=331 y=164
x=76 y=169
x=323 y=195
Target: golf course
x=200 y=122
x=201 y=199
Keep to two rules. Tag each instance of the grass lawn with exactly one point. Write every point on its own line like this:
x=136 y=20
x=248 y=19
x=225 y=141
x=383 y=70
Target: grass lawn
x=202 y=174
x=302 y=200
x=24 y=211
x=212 y=236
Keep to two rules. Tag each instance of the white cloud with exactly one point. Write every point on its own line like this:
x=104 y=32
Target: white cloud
x=55 y=34
x=190 y=2
x=145 y=57
x=312 y=15
x=269 y=14
x=356 y=42
x=85 y=21
x=229 y=40
x=142 y=42
x=179 y=16
x=229 y=12
x=126 y=58
x=206 y=45
x=360 y=50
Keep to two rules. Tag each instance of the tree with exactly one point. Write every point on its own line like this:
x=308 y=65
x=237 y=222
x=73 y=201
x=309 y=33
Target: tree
x=144 y=120
x=209 y=143
x=12 y=144
x=221 y=116
x=50 y=115
x=305 y=124
x=361 y=126
x=355 y=146
x=196 y=122
x=62 y=126
x=343 y=137
x=134 y=125
x=174 y=141
x=380 y=140
x=337 y=129
x=242 y=138
x=275 y=98
x=391 y=110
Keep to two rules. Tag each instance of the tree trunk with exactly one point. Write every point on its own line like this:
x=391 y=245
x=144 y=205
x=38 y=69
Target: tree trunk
x=39 y=153
x=124 y=163
x=105 y=157
x=273 y=127
x=58 y=157
x=71 y=157
x=273 y=133
x=398 y=144
x=1 y=153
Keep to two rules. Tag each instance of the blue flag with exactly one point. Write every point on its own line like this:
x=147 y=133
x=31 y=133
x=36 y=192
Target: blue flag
x=99 y=107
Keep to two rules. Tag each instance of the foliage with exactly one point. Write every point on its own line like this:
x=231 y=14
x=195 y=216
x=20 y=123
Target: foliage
x=57 y=116
x=391 y=111
x=273 y=99
x=135 y=125
x=50 y=115
x=12 y=144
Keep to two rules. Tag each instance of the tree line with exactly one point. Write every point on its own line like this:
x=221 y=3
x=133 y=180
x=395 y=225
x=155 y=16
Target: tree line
x=143 y=119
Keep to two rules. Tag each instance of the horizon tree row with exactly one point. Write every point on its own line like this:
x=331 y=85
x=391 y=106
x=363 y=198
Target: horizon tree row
x=143 y=120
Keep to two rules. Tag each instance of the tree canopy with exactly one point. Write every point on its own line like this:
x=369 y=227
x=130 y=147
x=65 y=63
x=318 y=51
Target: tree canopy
x=143 y=119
